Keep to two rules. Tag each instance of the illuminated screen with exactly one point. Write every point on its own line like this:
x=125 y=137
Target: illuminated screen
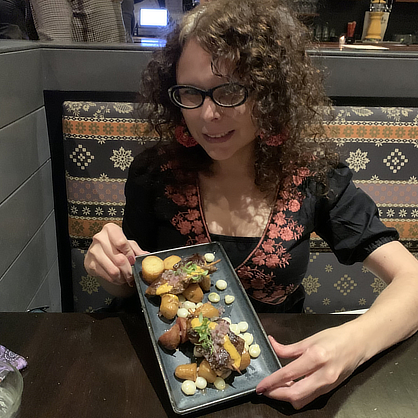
x=153 y=17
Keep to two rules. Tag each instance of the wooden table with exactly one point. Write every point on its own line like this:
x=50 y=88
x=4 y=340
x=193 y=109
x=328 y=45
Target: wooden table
x=99 y=366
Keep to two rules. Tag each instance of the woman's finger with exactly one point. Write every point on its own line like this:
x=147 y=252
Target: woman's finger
x=297 y=369
x=289 y=350
x=136 y=248
x=307 y=389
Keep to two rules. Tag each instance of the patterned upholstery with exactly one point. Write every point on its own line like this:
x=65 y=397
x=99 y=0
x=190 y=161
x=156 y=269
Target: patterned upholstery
x=100 y=142
x=379 y=144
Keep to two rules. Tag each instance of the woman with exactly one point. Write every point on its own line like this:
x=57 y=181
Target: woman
x=250 y=166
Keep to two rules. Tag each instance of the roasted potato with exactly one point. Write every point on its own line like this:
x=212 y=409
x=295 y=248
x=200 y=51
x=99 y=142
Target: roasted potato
x=193 y=292
x=170 y=261
x=205 y=283
x=170 y=340
x=206 y=372
x=186 y=371
x=152 y=268
x=207 y=310
x=182 y=323
x=169 y=305
x=245 y=360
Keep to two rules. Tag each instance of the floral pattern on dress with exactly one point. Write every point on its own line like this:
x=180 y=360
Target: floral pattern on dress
x=259 y=273
x=188 y=222
x=262 y=286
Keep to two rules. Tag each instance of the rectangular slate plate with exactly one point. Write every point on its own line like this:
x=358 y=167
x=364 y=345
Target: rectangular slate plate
x=240 y=310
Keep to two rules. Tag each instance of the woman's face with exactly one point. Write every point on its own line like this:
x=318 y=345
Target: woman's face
x=222 y=132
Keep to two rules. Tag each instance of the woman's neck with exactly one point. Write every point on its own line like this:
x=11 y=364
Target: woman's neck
x=232 y=203
x=240 y=165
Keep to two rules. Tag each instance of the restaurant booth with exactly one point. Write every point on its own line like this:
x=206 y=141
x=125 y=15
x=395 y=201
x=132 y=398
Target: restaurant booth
x=47 y=88
x=368 y=88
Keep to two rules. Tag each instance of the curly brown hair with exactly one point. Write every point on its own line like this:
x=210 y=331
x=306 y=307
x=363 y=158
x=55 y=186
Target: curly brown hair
x=264 y=45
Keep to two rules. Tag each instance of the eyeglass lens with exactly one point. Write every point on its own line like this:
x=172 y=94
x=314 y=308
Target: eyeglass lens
x=225 y=95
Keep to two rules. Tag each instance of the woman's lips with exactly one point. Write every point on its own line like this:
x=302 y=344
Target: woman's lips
x=218 y=138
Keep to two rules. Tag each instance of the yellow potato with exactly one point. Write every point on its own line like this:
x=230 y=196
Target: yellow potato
x=205 y=283
x=169 y=305
x=193 y=292
x=152 y=267
x=245 y=360
x=206 y=372
x=207 y=310
x=170 y=261
x=186 y=371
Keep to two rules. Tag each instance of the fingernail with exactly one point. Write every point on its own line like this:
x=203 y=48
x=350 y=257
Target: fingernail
x=260 y=391
x=272 y=338
x=131 y=260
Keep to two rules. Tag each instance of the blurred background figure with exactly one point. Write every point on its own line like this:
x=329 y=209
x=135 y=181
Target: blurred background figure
x=128 y=14
x=79 y=20
x=12 y=19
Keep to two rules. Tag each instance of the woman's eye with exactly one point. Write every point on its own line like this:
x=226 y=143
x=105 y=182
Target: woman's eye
x=190 y=92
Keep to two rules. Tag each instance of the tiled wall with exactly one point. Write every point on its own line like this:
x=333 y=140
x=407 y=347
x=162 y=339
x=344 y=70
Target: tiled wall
x=28 y=252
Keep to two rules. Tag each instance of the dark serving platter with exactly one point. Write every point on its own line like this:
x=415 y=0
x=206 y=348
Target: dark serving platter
x=240 y=310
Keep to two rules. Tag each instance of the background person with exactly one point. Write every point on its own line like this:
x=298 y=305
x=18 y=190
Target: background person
x=78 y=20
x=12 y=19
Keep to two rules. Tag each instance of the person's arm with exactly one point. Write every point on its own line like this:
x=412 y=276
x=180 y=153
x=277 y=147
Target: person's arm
x=110 y=259
x=113 y=250
x=325 y=359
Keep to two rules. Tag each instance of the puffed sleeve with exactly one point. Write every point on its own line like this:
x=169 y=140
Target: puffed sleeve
x=348 y=219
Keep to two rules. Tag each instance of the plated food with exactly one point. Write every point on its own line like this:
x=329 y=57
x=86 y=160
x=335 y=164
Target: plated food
x=174 y=276
x=203 y=347
x=218 y=348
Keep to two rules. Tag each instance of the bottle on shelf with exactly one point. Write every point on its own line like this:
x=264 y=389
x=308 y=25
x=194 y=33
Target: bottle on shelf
x=376 y=19
x=325 y=32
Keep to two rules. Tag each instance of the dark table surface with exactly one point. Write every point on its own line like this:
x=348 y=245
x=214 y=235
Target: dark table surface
x=99 y=366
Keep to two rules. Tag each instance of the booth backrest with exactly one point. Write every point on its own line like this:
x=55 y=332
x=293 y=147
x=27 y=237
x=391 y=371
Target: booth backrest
x=380 y=145
x=100 y=142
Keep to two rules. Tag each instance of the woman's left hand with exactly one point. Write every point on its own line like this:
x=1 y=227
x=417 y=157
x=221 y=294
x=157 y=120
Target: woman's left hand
x=321 y=362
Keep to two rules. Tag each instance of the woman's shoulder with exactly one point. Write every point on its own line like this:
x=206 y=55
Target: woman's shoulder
x=151 y=160
x=338 y=179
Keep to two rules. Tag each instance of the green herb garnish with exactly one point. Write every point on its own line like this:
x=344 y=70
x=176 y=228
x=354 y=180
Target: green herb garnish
x=194 y=271
x=205 y=338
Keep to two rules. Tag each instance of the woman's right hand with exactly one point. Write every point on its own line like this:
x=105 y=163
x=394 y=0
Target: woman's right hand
x=111 y=256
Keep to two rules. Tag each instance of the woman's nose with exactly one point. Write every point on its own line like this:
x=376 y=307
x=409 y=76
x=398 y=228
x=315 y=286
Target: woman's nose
x=210 y=110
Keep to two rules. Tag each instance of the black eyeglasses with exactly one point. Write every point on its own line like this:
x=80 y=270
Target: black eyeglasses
x=225 y=95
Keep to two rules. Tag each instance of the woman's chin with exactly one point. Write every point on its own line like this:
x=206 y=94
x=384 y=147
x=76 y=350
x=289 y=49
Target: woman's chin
x=219 y=155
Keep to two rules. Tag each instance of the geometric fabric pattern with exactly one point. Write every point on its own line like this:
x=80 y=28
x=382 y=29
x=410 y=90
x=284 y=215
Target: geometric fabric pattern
x=100 y=142
x=334 y=287
x=379 y=144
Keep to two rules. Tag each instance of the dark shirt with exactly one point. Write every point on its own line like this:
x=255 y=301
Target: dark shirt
x=160 y=215
x=12 y=19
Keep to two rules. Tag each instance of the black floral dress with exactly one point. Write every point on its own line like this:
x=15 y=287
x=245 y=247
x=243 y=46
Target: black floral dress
x=160 y=215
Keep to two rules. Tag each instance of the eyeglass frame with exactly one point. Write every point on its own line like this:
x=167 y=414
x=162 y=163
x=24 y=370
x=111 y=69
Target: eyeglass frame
x=204 y=94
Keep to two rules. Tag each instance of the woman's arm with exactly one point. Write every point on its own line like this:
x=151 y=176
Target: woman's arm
x=325 y=359
x=110 y=259
x=395 y=311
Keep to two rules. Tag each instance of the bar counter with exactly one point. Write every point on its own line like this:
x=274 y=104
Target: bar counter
x=104 y=366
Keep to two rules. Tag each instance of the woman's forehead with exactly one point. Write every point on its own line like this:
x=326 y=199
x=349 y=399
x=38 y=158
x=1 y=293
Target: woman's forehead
x=196 y=65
